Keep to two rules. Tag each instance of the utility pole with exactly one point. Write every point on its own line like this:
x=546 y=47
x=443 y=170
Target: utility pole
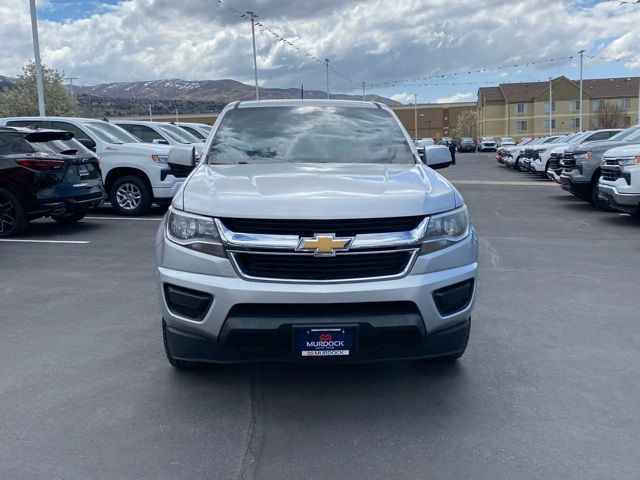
x=302 y=91
x=363 y=95
x=71 y=79
x=550 y=106
x=36 y=54
x=415 y=115
x=150 y=114
x=581 y=52
x=326 y=64
x=252 y=16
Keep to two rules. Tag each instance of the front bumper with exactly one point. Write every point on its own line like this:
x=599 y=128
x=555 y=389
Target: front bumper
x=554 y=175
x=208 y=339
x=623 y=202
x=568 y=184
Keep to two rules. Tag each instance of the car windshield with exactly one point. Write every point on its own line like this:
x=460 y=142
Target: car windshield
x=309 y=134
x=65 y=147
x=507 y=139
x=177 y=134
x=626 y=134
x=110 y=133
x=635 y=137
x=466 y=140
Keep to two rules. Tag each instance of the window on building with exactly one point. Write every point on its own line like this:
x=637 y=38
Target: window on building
x=521 y=108
x=625 y=103
x=546 y=106
x=575 y=105
x=597 y=105
x=626 y=121
x=521 y=125
x=553 y=124
x=575 y=123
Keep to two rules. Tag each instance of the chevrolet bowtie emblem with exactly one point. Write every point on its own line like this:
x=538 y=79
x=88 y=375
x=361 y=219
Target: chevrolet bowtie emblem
x=324 y=244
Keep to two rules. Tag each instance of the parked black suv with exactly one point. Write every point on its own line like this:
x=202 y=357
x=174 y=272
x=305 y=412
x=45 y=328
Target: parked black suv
x=45 y=173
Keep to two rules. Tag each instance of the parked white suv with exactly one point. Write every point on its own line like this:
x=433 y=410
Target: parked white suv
x=159 y=132
x=135 y=174
x=199 y=130
x=619 y=184
x=488 y=144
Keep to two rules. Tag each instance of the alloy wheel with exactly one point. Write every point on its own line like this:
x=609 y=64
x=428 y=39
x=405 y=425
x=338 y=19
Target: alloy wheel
x=128 y=196
x=7 y=215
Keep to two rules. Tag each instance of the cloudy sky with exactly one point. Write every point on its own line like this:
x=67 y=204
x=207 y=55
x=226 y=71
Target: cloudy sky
x=374 y=41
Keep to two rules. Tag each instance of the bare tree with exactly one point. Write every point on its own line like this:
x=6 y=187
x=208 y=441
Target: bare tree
x=22 y=99
x=609 y=116
x=466 y=125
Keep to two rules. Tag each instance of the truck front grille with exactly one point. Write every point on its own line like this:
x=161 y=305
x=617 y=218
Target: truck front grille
x=554 y=161
x=611 y=174
x=342 y=228
x=342 y=266
x=568 y=162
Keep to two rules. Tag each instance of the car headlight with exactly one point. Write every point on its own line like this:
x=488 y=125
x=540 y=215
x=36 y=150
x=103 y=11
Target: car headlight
x=625 y=161
x=446 y=229
x=582 y=157
x=194 y=231
x=159 y=158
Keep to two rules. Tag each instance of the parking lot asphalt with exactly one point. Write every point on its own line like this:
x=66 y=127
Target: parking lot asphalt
x=547 y=389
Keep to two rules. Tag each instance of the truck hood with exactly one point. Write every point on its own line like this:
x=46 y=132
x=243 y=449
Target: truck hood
x=598 y=146
x=306 y=191
x=632 y=150
x=139 y=148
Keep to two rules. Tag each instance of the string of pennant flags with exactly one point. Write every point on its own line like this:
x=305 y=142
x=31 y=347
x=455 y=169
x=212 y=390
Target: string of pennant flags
x=416 y=81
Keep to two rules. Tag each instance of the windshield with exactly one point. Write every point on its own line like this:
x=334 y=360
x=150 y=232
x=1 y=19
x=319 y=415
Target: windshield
x=309 y=134
x=508 y=140
x=626 y=134
x=177 y=134
x=111 y=133
x=466 y=140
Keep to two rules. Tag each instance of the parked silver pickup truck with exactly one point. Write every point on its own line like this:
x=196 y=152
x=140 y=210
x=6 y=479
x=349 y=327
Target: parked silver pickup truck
x=311 y=231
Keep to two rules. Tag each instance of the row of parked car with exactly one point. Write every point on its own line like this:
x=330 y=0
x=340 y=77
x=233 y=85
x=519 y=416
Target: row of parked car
x=61 y=167
x=600 y=166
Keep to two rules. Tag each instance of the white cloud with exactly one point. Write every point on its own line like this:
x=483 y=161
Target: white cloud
x=458 y=97
x=403 y=97
x=366 y=41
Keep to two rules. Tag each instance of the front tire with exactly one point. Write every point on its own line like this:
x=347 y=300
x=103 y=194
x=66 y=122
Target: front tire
x=130 y=195
x=13 y=218
x=69 y=218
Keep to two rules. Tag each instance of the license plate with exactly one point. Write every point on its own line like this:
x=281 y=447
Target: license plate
x=83 y=171
x=325 y=342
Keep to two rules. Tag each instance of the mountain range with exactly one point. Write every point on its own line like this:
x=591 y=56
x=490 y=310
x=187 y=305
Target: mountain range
x=186 y=96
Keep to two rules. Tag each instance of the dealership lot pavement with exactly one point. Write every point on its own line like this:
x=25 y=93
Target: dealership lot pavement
x=547 y=389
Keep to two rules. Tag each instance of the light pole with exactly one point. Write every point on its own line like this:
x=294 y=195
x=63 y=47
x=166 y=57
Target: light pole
x=415 y=115
x=363 y=96
x=36 y=54
x=177 y=117
x=581 y=58
x=326 y=64
x=150 y=114
x=550 y=106
x=255 y=58
x=71 y=79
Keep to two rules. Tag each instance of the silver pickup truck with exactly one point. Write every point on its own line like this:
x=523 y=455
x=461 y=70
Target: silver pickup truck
x=311 y=231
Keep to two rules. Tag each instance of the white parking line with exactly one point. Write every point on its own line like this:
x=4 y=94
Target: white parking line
x=503 y=182
x=24 y=240
x=125 y=218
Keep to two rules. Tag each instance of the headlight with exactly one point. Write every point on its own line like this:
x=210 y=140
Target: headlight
x=582 y=157
x=194 y=231
x=159 y=158
x=624 y=161
x=446 y=229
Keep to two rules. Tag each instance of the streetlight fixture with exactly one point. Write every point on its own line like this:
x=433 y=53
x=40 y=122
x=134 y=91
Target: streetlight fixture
x=36 y=54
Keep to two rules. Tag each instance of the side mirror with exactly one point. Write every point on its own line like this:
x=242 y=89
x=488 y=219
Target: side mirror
x=182 y=159
x=87 y=142
x=161 y=141
x=437 y=157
